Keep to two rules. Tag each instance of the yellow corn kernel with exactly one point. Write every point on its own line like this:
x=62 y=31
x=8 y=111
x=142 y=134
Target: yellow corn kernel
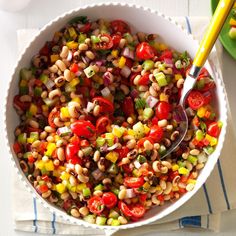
x=50 y=149
x=114 y=53
x=183 y=171
x=162 y=46
x=39 y=164
x=234 y=5
x=163 y=97
x=23 y=83
x=156 y=45
x=61 y=168
x=118 y=131
x=191 y=181
x=178 y=76
x=121 y=62
x=146 y=129
x=56 y=173
x=213 y=141
x=49 y=165
x=175 y=167
x=158 y=188
x=65 y=112
x=232 y=22
x=131 y=132
x=73 y=189
x=77 y=99
x=175 y=188
x=56 y=138
x=74 y=82
x=112 y=156
x=136 y=173
x=72 y=45
x=65 y=176
x=33 y=109
x=146 y=185
x=45 y=108
x=140 y=111
x=201 y=112
x=72 y=32
x=61 y=188
x=54 y=58
x=161 y=67
x=80 y=187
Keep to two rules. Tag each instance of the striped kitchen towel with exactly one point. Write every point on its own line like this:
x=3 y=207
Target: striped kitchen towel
x=203 y=210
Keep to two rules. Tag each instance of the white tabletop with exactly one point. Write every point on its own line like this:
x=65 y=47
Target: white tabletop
x=39 y=13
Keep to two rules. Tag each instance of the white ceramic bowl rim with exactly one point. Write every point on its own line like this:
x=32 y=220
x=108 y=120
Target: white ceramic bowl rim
x=165 y=212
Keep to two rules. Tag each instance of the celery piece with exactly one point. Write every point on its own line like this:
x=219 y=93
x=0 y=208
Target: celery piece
x=99 y=187
x=113 y=214
x=199 y=135
x=95 y=39
x=90 y=219
x=100 y=142
x=115 y=222
x=44 y=78
x=140 y=103
x=148 y=113
x=89 y=71
x=161 y=79
x=86 y=192
x=115 y=191
x=25 y=74
x=82 y=38
x=101 y=220
x=209 y=150
x=192 y=159
x=69 y=88
x=50 y=102
x=27 y=154
x=148 y=65
x=22 y=138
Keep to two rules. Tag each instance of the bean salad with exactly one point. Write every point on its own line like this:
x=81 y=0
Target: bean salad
x=95 y=109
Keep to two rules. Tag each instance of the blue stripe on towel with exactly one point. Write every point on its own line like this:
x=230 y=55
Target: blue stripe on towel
x=207 y=198
x=53 y=223
x=190 y=221
x=35 y=215
x=204 y=186
x=207 y=221
x=223 y=184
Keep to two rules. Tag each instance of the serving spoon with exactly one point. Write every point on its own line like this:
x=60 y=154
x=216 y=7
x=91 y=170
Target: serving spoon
x=214 y=28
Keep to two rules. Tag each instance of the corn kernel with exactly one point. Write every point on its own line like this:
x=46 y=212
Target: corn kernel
x=114 y=53
x=77 y=99
x=163 y=97
x=183 y=171
x=232 y=22
x=201 y=112
x=146 y=129
x=74 y=82
x=80 y=187
x=49 y=165
x=158 y=188
x=118 y=131
x=65 y=176
x=175 y=167
x=39 y=164
x=175 y=188
x=61 y=188
x=131 y=132
x=213 y=141
x=162 y=46
x=33 y=109
x=72 y=32
x=112 y=156
x=50 y=149
x=178 y=76
x=54 y=58
x=146 y=185
x=65 y=112
x=121 y=62
x=136 y=173
x=56 y=173
x=72 y=45
x=191 y=181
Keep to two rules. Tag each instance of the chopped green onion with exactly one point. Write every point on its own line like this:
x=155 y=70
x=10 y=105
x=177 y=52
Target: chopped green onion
x=115 y=191
x=148 y=65
x=113 y=169
x=208 y=150
x=100 y=142
x=86 y=192
x=141 y=159
x=22 y=138
x=99 y=187
x=113 y=214
x=82 y=38
x=199 y=135
x=192 y=159
x=90 y=219
x=140 y=103
x=25 y=74
x=95 y=39
x=161 y=79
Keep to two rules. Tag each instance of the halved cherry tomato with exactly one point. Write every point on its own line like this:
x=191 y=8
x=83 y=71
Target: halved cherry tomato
x=52 y=115
x=17 y=147
x=123 y=151
x=43 y=188
x=207 y=97
x=162 y=110
x=167 y=54
x=45 y=178
x=119 y=26
x=116 y=40
x=213 y=129
x=96 y=205
x=106 y=106
x=133 y=182
x=102 y=123
x=71 y=151
x=31 y=159
x=84 y=143
x=83 y=128
x=154 y=120
x=156 y=133
x=137 y=210
x=128 y=106
x=126 y=168
x=74 y=67
x=195 y=99
x=145 y=51
x=85 y=28
x=109 y=199
x=142 y=197
x=124 y=209
x=142 y=140
x=144 y=80
x=104 y=45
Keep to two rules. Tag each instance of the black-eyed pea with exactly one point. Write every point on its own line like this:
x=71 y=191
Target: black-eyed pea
x=176 y=180
x=194 y=152
x=154 y=155
x=53 y=69
x=25 y=98
x=156 y=166
x=122 y=43
x=131 y=143
x=33 y=123
x=64 y=52
x=83 y=178
x=96 y=110
x=65 y=195
x=106 y=181
x=56 y=162
x=162 y=123
x=148 y=145
x=163 y=184
x=189 y=166
x=148 y=203
x=84 y=211
x=90 y=55
x=152 y=91
x=96 y=156
x=125 y=89
x=54 y=93
x=199 y=166
x=137 y=79
x=59 y=81
x=43 y=135
x=49 y=129
x=61 y=65
x=24 y=166
x=75 y=212
x=174 y=135
x=68 y=75
x=78 y=169
x=130 y=120
x=180 y=83
x=167 y=164
x=109 y=221
x=136 y=69
x=73 y=180
x=44 y=94
x=74 y=195
x=122 y=194
x=169 y=127
x=122 y=220
x=166 y=197
x=46 y=194
x=83 y=47
x=190 y=187
x=155 y=201
x=156 y=86
x=143 y=88
x=98 y=193
x=166 y=142
x=36 y=144
x=168 y=188
x=163 y=169
x=50 y=139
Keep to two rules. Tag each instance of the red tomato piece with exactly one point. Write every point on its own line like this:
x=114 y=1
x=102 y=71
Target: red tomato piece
x=84 y=143
x=85 y=28
x=116 y=40
x=52 y=115
x=124 y=209
x=126 y=168
x=144 y=80
x=154 y=120
x=132 y=77
x=102 y=123
x=45 y=50
x=43 y=188
x=128 y=106
x=167 y=54
x=160 y=197
x=31 y=159
x=213 y=129
x=106 y=106
x=195 y=99
x=104 y=45
x=145 y=51
x=156 y=133
x=162 y=110
x=83 y=128
x=142 y=197
x=119 y=26
x=71 y=151
x=96 y=205
x=74 y=67
x=137 y=210
x=17 y=147
x=109 y=199
x=122 y=152
x=133 y=182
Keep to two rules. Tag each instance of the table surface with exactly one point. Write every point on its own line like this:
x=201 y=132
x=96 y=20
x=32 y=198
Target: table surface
x=38 y=13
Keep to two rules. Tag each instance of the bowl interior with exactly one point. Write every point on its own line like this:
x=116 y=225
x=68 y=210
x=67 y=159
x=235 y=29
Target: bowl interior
x=169 y=33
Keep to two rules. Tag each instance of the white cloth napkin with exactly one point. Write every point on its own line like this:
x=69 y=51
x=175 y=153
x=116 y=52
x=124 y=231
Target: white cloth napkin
x=202 y=211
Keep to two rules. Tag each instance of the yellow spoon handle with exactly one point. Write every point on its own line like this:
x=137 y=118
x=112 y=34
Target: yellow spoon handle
x=217 y=21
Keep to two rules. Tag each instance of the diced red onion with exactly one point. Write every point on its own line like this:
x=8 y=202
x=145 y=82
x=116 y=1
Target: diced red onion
x=125 y=71
x=99 y=63
x=107 y=78
x=168 y=62
x=130 y=193
x=103 y=148
x=64 y=131
x=69 y=57
x=30 y=85
x=97 y=174
x=127 y=52
x=134 y=93
x=105 y=92
x=85 y=59
x=49 y=84
x=113 y=147
x=78 y=73
x=152 y=101
x=90 y=106
x=137 y=164
x=80 y=26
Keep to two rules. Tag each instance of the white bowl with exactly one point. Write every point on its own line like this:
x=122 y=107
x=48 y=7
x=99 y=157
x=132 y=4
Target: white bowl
x=140 y=19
